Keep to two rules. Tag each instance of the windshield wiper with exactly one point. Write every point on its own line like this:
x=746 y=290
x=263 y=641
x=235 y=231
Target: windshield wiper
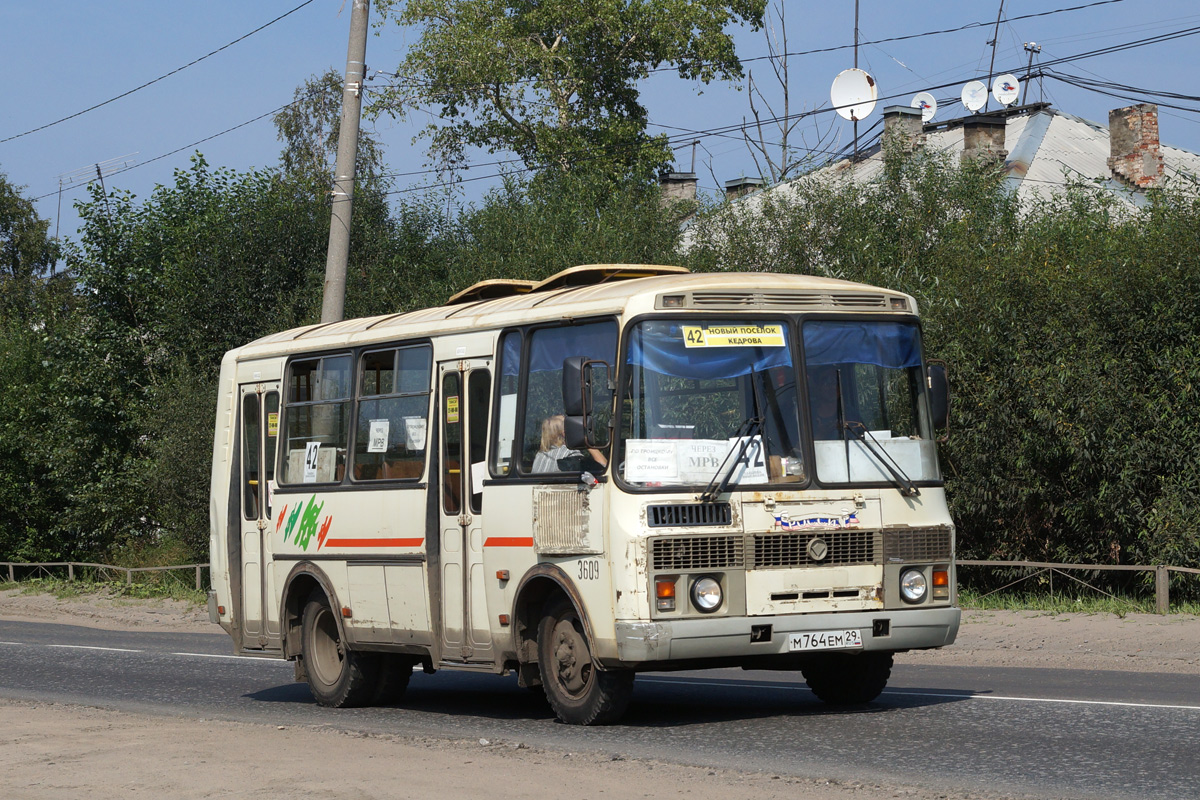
x=903 y=482
x=745 y=436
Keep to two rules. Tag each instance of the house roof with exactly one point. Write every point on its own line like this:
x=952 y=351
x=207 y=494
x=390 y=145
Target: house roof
x=1046 y=148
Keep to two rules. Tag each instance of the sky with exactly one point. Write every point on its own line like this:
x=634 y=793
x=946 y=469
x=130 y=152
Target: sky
x=60 y=58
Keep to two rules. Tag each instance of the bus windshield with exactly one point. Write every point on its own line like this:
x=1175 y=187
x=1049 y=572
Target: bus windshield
x=694 y=391
x=704 y=400
x=869 y=417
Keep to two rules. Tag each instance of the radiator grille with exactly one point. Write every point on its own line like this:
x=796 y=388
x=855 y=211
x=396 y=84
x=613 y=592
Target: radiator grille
x=561 y=521
x=924 y=544
x=695 y=515
x=791 y=549
x=687 y=553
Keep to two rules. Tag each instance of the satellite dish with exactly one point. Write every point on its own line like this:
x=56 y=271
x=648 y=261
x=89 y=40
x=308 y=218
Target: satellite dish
x=974 y=95
x=1005 y=89
x=853 y=94
x=927 y=103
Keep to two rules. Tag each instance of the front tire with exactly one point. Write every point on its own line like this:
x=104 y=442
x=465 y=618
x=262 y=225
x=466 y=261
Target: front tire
x=577 y=689
x=848 y=679
x=337 y=676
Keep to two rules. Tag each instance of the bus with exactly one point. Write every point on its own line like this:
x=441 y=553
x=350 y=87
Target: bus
x=621 y=468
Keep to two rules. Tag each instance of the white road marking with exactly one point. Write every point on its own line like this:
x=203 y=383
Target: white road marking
x=87 y=647
x=901 y=693
x=222 y=655
x=703 y=682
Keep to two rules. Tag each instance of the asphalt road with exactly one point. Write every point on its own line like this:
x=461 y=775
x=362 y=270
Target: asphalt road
x=1041 y=732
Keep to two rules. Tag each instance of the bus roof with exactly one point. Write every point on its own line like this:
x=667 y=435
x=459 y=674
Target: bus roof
x=586 y=291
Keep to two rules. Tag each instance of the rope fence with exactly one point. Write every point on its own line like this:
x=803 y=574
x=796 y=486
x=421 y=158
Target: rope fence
x=51 y=569
x=1162 y=576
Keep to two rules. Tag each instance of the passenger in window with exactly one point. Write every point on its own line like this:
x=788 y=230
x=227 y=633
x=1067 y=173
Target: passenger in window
x=554 y=451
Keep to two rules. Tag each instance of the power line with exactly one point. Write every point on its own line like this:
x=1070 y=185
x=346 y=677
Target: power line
x=187 y=146
x=159 y=78
x=688 y=135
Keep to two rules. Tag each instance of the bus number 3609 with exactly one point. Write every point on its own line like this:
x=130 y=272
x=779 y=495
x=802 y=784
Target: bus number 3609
x=589 y=569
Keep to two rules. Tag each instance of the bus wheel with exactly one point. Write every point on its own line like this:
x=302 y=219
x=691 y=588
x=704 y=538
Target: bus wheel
x=394 y=673
x=337 y=676
x=577 y=689
x=848 y=679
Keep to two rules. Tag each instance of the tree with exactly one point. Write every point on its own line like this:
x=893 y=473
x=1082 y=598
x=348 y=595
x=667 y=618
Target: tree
x=771 y=139
x=556 y=81
x=26 y=252
x=309 y=127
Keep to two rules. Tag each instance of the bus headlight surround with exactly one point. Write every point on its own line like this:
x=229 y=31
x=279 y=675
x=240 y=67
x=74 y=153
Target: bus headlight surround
x=706 y=594
x=913 y=585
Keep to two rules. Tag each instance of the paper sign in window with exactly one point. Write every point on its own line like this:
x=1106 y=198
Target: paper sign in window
x=648 y=460
x=733 y=336
x=312 y=452
x=378 y=438
x=414 y=433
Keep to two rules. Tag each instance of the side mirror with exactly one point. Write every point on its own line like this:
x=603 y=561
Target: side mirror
x=939 y=394
x=582 y=378
x=576 y=392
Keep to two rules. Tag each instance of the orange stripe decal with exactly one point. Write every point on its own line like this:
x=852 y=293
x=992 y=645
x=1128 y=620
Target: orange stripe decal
x=375 y=542
x=509 y=541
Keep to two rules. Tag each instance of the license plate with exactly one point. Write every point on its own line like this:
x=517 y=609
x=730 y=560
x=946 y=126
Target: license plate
x=824 y=640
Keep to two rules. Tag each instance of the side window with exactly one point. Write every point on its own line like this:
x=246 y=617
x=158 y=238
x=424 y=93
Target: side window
x=543 y=449
x=317 y=420
x=505 y=429
x=271 y=406
x=250 y=474
x=393 y=409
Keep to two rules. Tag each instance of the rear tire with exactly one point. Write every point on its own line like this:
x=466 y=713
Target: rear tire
x=337 y=676
x=848 y=679
x=391 y=684
x=577 y=689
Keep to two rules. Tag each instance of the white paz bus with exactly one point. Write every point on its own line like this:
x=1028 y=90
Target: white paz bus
x=618 y=469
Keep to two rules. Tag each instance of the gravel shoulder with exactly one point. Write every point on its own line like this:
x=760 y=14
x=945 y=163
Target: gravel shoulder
x=53 y=750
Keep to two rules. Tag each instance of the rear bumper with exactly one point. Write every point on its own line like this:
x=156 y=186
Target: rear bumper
x=681 y=640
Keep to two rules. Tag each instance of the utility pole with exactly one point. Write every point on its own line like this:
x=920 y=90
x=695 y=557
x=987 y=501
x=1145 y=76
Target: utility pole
x=856 y=67
x=992 y=66
x=334 y=302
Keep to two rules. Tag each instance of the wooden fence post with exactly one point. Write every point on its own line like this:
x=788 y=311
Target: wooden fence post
x=1162 y=589
x=70 y=572
x=197 y=577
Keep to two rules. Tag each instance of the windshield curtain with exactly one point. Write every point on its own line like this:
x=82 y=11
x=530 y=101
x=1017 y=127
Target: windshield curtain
x=691 y=387
x=865 y=381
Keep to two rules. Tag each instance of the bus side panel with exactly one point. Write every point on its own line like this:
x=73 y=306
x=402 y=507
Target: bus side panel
x=371 y=545
x=224 y=551
x=507 y=545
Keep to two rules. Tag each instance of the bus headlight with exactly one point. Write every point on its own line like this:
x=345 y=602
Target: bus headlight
x=706 y=594
x=913 y=585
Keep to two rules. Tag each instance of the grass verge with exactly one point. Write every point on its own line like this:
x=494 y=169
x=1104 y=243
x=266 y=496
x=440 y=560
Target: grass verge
x=1119 y=605
x=65 y=589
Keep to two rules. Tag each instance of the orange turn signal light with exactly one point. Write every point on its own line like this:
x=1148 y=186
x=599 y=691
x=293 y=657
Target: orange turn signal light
x=664 y=590
x=941 y=577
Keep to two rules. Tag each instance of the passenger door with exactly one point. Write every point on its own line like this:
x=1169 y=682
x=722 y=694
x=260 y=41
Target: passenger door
x=259 y=404
x=464 y=405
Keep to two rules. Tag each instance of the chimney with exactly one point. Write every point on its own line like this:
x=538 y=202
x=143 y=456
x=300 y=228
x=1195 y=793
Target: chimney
x=740 y=187
x=902 y=125
x=983 y=138
x=1135 y=155
x=677 y=186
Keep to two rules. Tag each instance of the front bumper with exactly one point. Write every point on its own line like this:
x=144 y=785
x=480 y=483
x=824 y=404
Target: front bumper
x=729 y=637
